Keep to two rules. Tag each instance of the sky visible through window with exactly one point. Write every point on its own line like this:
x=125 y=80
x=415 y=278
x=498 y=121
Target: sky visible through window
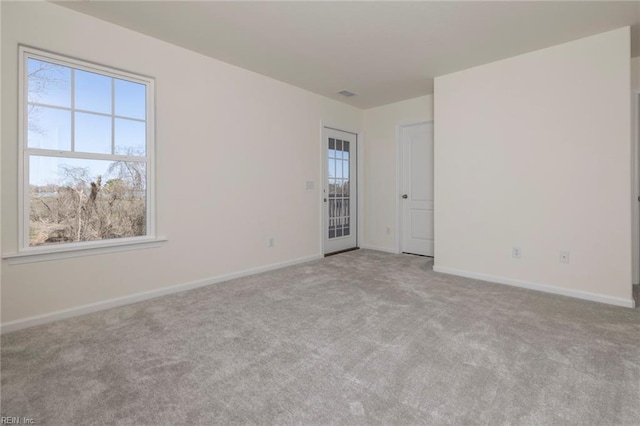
x=84 y=112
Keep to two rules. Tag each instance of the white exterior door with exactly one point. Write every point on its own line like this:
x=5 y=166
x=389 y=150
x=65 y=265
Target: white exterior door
x=339 y=191
x=416 y=189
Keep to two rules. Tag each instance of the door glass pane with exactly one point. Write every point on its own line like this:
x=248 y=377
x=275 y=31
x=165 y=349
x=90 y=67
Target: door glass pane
x=338 y=190
x=332 y=221
x=332 y=187
x=345 y=228
x=338 y=169
x=332 y=168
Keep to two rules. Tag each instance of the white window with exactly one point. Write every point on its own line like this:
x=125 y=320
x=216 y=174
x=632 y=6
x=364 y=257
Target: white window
x=86 y=147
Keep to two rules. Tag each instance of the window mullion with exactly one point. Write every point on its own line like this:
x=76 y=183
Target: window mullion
x=85 y=111
x=39 y=104
x=113 y=113
x=73 y=107
x=84 y=155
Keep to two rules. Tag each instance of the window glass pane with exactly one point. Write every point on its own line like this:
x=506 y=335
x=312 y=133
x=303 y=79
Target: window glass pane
x=345 y=146
x=345 y=169
x=48 y=83
x=92 y=133
x=332 y=143
x=130 y=99
x=130 y=137
x=48 y=128
x=92 y=92
x=83 y=200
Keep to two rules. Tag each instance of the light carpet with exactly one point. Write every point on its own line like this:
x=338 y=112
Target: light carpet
x=358 y=338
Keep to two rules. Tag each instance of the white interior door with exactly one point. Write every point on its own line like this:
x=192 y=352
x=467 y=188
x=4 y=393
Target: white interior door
x=340 y=191
x=416 y=188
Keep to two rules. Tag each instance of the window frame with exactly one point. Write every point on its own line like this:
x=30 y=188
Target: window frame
x=72 y=249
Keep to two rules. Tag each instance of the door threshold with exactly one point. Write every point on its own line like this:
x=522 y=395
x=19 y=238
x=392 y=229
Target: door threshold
x=415 y=254
x=341 y=251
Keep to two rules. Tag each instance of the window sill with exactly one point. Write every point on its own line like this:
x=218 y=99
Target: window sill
x=56 y=253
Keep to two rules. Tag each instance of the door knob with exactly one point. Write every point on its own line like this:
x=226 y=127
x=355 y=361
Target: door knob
x=405 y=196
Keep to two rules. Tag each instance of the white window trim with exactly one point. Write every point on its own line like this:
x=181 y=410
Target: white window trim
x=85 y=248
x=27 y=254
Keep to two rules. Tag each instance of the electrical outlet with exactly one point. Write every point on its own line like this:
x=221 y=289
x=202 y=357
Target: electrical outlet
x=388 y=231
x=272 y=242
x=564 y=256
x=516 y=253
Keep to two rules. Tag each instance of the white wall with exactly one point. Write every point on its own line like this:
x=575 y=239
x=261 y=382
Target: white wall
x=234 y=150
x=534 y=151
x=380 y=126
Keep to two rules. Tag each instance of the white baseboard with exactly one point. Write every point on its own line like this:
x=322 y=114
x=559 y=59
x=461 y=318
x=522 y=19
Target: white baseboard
x=383 y=249
x=138 y=297
x=594 y=297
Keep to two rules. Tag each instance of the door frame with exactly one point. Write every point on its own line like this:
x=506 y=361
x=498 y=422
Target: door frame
x=359 y=184
x=635 y=186
x=399 y=170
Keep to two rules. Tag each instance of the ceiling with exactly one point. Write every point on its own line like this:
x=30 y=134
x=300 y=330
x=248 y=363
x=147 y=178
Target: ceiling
x=383 y=52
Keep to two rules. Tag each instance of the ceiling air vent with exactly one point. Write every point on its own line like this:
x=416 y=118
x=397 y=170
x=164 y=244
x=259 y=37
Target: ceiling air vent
x=346 y=93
